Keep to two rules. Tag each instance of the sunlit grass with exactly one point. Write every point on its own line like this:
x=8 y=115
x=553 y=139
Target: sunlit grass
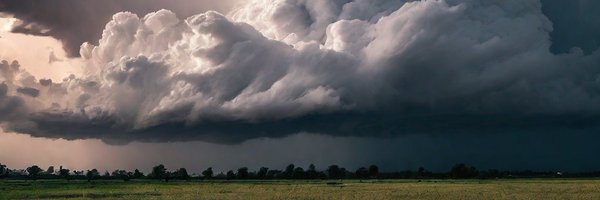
x=405 y=189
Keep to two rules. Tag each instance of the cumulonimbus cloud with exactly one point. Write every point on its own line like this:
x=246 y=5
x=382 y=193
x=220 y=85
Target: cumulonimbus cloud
x=346 y=67
x=74 y=22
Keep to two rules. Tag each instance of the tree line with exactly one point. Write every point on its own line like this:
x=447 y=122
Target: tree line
x=160 y=172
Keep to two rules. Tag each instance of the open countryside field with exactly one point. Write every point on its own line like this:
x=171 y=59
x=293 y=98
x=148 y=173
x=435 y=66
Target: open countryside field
x=403 y=189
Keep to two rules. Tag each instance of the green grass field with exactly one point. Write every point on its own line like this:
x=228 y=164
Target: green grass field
x=407 y=189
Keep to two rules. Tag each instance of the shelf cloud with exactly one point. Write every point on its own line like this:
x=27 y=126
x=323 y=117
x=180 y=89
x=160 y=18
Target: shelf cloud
x=270 y=68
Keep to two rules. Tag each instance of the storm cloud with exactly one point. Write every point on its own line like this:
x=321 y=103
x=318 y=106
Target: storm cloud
x=344 y=67
x=74 y=22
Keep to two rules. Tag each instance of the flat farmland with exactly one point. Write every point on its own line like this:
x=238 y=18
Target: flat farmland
x=351 y=189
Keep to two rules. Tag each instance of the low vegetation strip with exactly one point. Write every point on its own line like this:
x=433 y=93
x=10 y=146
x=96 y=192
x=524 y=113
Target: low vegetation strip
x=304 y=189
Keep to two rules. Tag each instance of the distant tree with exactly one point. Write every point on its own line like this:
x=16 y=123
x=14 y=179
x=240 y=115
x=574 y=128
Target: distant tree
x=122 y=174
x=168 y=176
x=3 y=171
x=343 y=173
x=242 y=173
x=322 y=175
x=50 y=170
x=92 y=174
x=423 y=173
x=312 y=173
x=230 y=175
x=34 y=171
x=16 y=172
x=492 y=173
x=64 y=173
x=362 y=173
x=312 y=167
x=208 y=173
x=137 y=174
x=299 y=173
x=275 y=174
x=78 y=173
x=159 y=172
x=334 y=172
x=463 y=171
x=182 y=174
x=373 y=171
x=220 y=175
x=106 y=175
x=262 y=173
x=129 y=176
x=289 y=171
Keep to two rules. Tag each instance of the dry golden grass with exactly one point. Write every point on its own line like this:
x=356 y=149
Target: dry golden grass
x=407 y=189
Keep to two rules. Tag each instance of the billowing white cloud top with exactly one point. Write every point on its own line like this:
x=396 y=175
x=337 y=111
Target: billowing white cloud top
x=277 y=61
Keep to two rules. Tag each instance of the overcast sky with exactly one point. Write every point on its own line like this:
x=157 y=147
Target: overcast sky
x=510 y=84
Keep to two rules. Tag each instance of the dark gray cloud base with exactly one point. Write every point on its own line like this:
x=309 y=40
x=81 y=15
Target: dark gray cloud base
x=348 y=68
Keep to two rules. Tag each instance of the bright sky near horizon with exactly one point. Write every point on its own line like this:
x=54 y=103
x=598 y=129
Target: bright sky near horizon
x=33 y=53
